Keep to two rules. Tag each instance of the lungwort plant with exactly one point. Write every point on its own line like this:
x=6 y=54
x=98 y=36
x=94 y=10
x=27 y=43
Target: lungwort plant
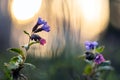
x=97 y=64
x=17 y=63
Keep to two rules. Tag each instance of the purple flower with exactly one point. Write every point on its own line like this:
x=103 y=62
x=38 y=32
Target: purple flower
x=99 y=59
x=90 y=45
x=42 y=41
x=46 y=28
x=43 y=28
x=41 y=21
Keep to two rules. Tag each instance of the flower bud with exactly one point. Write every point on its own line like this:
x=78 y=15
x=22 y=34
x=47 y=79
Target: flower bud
x=35 y=37
x=90 y=56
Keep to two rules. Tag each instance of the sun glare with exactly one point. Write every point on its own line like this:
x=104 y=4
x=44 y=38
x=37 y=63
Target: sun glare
x=25 y=9
x=91 y=9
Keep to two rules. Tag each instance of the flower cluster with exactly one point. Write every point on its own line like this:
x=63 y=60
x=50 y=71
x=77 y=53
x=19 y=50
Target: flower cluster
x=41 y=25
x=93 y=52
x=17 y=63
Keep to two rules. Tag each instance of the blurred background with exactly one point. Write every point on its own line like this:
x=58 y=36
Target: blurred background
x=72 y=22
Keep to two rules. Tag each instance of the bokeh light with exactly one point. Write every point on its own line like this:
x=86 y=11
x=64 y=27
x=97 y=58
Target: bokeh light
x=94 y=19
x=25 y=9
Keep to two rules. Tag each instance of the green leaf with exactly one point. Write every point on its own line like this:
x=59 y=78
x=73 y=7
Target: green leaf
x=104 y=68
x=100 y=49
x=12 y=65
x=17 y=59
x=20 y=59
x=29 y=65
x=88 y=70
x=14 y=59
x=8 y=74
x=105 y=63
x=26 y=33
x=17 y=50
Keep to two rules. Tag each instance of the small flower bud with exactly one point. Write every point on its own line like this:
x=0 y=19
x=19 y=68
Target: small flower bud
x=35 y=37
x=90 y=56
x=42 y=41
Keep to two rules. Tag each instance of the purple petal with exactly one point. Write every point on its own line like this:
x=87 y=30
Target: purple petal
x=46 y=28
x=95 y=43
x=41 y=21
x=99 y=59
x=87 y=43
x=87 y=47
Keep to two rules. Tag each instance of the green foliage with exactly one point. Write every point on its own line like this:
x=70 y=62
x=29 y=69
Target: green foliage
x=105 y=63
x=11 y=65
x=87 y=70
x=7 y=74
x=100 y=49
x=104 y=66
x=26 y=33
x=17 y=50
x=14 y=63
x=17 y=59
x=29 y=65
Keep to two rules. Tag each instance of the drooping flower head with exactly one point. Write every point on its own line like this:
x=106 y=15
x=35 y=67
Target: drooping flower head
x=90 y=45
x=36 y=37
x=99 y=59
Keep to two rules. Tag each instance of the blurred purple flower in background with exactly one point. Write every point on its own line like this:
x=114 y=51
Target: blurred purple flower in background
x=90 y=45
x=99 y=59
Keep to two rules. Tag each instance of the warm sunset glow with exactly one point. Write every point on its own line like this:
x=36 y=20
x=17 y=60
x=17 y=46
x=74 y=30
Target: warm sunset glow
x=91 y=9
x=71 y=21
x=25 y=9
x=94 y=19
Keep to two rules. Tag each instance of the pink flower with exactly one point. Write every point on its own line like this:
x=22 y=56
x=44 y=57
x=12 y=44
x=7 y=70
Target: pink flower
x=99 y=59
x=42 y=41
